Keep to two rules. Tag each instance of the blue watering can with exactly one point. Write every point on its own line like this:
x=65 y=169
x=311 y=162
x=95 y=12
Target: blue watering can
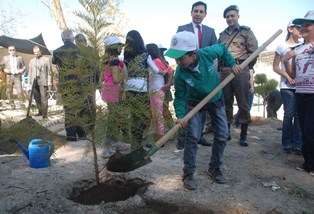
x=38 y=152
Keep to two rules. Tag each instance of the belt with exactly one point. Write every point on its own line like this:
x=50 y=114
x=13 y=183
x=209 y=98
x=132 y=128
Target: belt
x=13 y=74
x=238 y=62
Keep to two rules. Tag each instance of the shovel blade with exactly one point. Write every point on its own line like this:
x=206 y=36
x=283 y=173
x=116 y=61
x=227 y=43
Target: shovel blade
x=128 y=162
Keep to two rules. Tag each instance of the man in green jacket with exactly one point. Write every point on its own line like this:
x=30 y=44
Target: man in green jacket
x=194 y=79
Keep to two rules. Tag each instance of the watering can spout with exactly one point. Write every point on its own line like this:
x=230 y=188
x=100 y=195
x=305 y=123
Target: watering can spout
x=25 y=151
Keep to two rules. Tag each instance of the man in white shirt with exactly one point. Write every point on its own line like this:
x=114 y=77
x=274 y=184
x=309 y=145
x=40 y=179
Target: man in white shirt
x=14 y=68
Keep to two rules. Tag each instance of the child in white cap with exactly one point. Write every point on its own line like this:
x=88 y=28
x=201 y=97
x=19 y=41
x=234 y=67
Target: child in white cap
x=302 y=68
x=195 y=78
x=112 y=78
x=291 y=133
x=113 y=73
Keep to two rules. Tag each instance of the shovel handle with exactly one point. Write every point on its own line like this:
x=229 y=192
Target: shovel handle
x=187 y=117
x=30 y=99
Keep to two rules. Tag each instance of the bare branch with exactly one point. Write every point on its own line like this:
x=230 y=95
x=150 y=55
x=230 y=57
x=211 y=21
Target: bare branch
x=9 y=21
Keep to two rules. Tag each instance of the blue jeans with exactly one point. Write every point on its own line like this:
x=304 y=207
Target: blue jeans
x=218 y=116
x=291 y=133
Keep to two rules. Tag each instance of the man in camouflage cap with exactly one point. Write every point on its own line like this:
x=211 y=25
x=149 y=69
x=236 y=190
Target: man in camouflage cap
x=241 y=43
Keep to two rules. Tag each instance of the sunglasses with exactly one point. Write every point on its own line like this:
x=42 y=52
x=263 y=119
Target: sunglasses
x=11 y=49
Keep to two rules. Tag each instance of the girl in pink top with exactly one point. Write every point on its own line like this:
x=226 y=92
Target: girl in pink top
x=112 y=80
x=157 y=87
x=113 y=73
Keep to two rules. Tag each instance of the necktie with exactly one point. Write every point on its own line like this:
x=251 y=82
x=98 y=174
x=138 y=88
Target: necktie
x=199 y=34
x=13 y=65
x=36 y=67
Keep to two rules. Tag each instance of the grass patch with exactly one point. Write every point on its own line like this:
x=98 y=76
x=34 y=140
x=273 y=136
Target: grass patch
x=298 y=191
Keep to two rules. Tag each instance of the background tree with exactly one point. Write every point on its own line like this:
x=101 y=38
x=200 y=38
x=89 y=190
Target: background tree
x=263 y=87
x=96 y=18
x=9 y=20
x=93 y=19
x=56 y=10
x=58 y=15
x=100 y=12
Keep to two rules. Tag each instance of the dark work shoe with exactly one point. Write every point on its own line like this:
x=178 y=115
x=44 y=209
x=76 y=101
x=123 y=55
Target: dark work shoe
x=297 y=151
x=236 y=125
x=244 y=141
x=207 y=130
x=216 y=175
x=189 y=182
x=149 y=145
x=204 y=142
x=287 y=150
x=300 y=168
x=229 y=137
x=71 y=139
x=180 y=145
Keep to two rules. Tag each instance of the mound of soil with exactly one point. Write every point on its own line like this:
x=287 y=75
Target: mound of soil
x=23 y=132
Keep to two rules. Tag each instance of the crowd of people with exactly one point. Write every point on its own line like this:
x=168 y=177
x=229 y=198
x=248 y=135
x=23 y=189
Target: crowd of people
x=140 y=80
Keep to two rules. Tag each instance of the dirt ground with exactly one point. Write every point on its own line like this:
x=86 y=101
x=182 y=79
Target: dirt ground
x=261 y=179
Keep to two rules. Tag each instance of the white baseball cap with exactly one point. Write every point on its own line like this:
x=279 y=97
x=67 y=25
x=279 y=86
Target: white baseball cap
x=309 y=16
x=161 y=47
x=112 y=40
x=181 y=43
x=290 y=24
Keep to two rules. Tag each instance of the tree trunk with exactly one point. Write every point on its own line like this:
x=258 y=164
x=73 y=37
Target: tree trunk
x=95 y=162
x=58 y=15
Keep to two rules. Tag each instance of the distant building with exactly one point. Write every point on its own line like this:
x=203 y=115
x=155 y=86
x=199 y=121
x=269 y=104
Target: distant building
x=264 y=65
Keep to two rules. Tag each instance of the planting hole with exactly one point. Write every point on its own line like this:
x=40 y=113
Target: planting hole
x=115 y=189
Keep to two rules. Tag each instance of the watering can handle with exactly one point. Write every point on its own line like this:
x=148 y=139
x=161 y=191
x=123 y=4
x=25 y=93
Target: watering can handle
x=49 y=143
x=187 y=117
x=51 y=147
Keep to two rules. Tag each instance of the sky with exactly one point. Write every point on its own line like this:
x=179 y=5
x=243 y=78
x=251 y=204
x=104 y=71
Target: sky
x=157 y=21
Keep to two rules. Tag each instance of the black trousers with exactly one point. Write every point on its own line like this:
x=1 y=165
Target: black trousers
x=238 y=87
x=40 y=95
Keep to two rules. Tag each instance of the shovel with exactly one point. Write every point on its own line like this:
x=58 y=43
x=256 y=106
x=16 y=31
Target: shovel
x=140 y=157
x=30 y=99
